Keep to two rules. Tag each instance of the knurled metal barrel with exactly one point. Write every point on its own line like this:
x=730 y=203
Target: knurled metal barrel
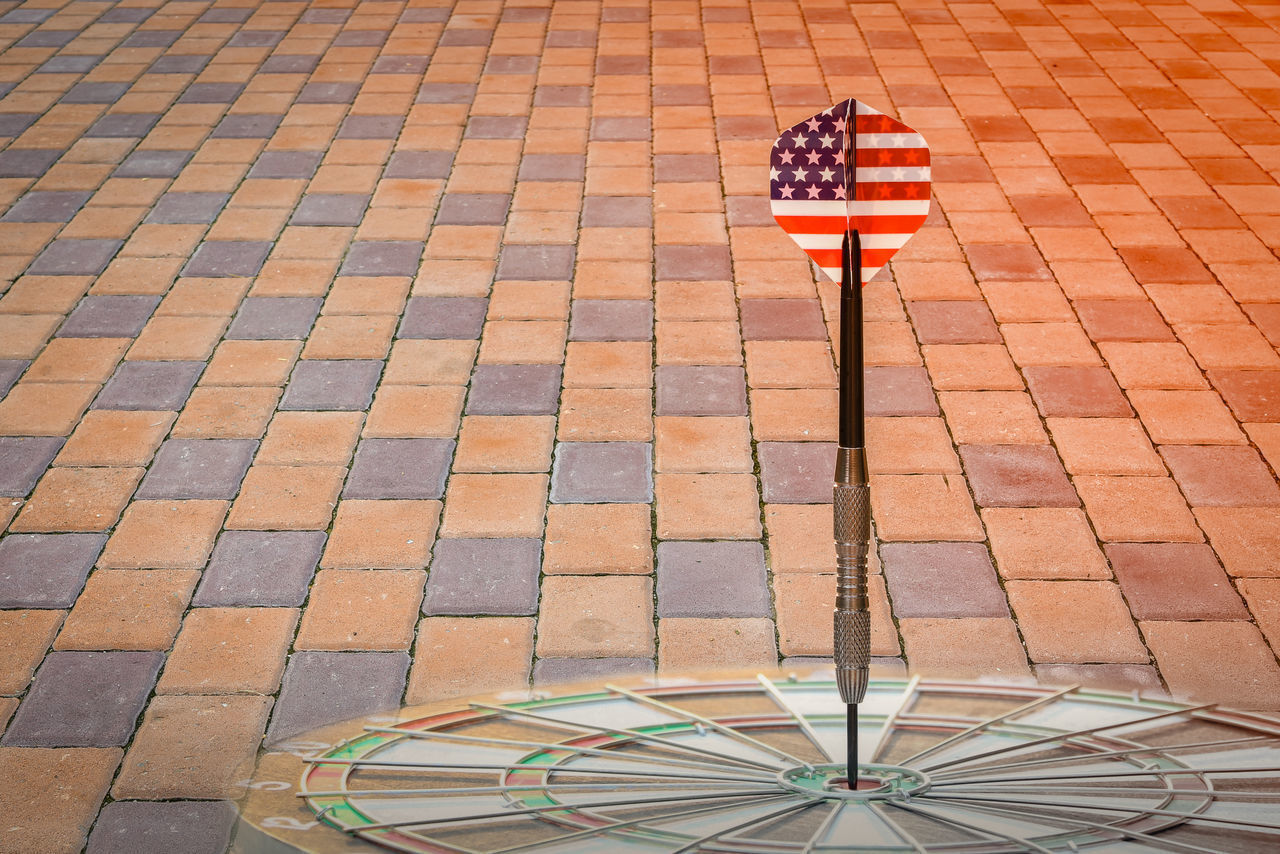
x=852 y=517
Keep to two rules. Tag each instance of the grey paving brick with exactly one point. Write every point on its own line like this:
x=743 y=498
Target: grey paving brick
x=211 y=93
x=13 y=124
x=332 y=384
x=198 y=468
x=286 y=164
x=465 y=37
x=256 y=38
x=552 y=167
x=489 y=576
x=109 y=316
x=701 y=390
x=419 y=164
x=84 y=699
x=180 y=64
x=225 y=16
x=370 y=127
x=330 y=209
x=46 y=206
x=360 y=38
x=48 y=38
x=323 y=92
x=596 y=472
x=152 y=38
x=399 y=468
x=265 y=568
x=151 y=163
x=69 y=64
x=720 y=579
x=546 y=262
x=27 y=162
x=10 y=370
x=617 y=211
x=1017 y=476
x=796 y=472
x=150 y=385
x=514 y=390
x=22 y=460
x=944 y=580
x=748 y=210
x=898 y=390
x=611 y=320
x=247 y=126
x=46 y=570
x=263 y=318
x=506 y=64
x=473 y=209
x=123 y=125
x=621 y=128
x=227 y=258
x=701 y=263
x=400 y=64
x=382 y=258
x=686 y=168
x=497 y=127
x=782 y=319
x=446 y=93
x=552 y=671
x=324 y=687
x=75 y=257
x=290 y=63
x=120 y=15
x=444 y=317
x=94 y=92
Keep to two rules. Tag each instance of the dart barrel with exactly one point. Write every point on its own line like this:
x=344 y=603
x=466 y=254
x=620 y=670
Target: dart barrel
x=852 y=516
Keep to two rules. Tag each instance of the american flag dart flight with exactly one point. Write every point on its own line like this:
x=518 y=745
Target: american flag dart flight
x=850 y=185
x=814 y=197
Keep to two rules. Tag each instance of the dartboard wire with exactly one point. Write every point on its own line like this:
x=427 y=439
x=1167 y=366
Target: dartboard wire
x=1104 y=754
x=723 y=758
x=720 y=834
x=729 y=731
x=868 y=808
x=480 y=790
x=1103 y=775
x=426 y=766
x=1063 y=737
x=562 y=807
x=630 y=823
x=1212 y=794
x=911 y=691
x=547 y=745
x=1188 y=817
x=988 y=723
x=913 y=807
x=1122 y=832
x=801 y=721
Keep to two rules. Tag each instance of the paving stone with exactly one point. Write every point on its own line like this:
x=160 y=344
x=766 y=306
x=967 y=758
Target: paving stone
x=542 y=262
x=1215 y=662
x=198 y=468
x=898 y=391
x=78 y=499
x=75 y=257
x=796 y=472
x=719 y=506
x=27 y=162
x=473 y=209
x=594 y=472
x=1247 y=539
x=1017 y=476
x=701 y=262
x=611 y=320
x=596 y=617
x=1142 y=678
x=484 y=576
x=1174 y=581
x=324 y=687
x=1122 y=320
x=382 y=534
x=1043 y=542
x=152 y=163
x=128 y=609
x=123 y=125
x=330 y=209
x=229 y=650
x=1137 y=509
x=188 y=208
x=555 y=671
x=286 y=164
x=227 y=258
x=1075 y=622
x=789 y=319
x=701 y=390
x=969 y=648
x=616 y=211
x=947 y=580
x=445 y=664
x=1221 y=476
x=10 y=370
x=109 y=317
x=260 y=568
x=46 y=570
x=399 y=468
x=46 y=206
x=1076 y=392
x=514 y=390
x=419 y=164
x=149 y=386
x=692 y=643
x=345 y=384
x=55 y=794
x=444 y=317
x=361 y=610
x=23 y=459
x=382 y=258
x=160 y=827
x=953 y=322
x=262 y=318
x=712 y=579
x=84 y=699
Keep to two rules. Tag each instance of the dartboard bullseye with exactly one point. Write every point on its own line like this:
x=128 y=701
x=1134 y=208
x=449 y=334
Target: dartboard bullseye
x=755 y=766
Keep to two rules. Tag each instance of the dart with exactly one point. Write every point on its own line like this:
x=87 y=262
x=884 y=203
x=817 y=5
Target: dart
x=850 y=185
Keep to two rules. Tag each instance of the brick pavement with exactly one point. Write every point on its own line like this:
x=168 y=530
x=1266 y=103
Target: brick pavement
x=365 y=353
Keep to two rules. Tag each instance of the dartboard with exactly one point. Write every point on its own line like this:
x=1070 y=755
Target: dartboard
x=757 y=766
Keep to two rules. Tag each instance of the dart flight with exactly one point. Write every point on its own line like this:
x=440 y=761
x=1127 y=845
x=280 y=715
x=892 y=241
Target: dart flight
x=815 y=199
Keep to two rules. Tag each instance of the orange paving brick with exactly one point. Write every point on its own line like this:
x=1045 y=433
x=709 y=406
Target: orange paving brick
x=227 y=412
x=463 y=656
x=78 y=499
x=367 y=295
x=1044 y=543
x=407 y=411
x=1104 y=446
x=801 y=597
x=1247 y=539
x=29 y=634
x=286 y=497
x=470 y=500
x=909 y=445
x=22 y=336
x=178 y=338
x=1075 y=622
x=115 y=437
x=702 y=444
x=193 y=296
x=596 y=617
x=414 y=362
x=971 y=367
x=382 y=535
x=923 y=507
x=350 y=337
x=193 y=747
x=794 y=415
x=505 y=443
x=164 y=534
x=702 y=342
x=790 y=364
x=310 y=438
x=598 y=538
x=1151 y=365
x=694 y=301
x=992 y=418
x=53 y=795
x=707 y=506
x=361 y=609
x=1186 y=417
x=228 y=651
x=77 y=360
x=529 y=301
x=251 y=363
x=696 y=644
x=44 y=409
x=128 y=609
x=1215 y=662
x=973 y=647
x=1137 y=509
x=608 y=364
x=605 y=415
